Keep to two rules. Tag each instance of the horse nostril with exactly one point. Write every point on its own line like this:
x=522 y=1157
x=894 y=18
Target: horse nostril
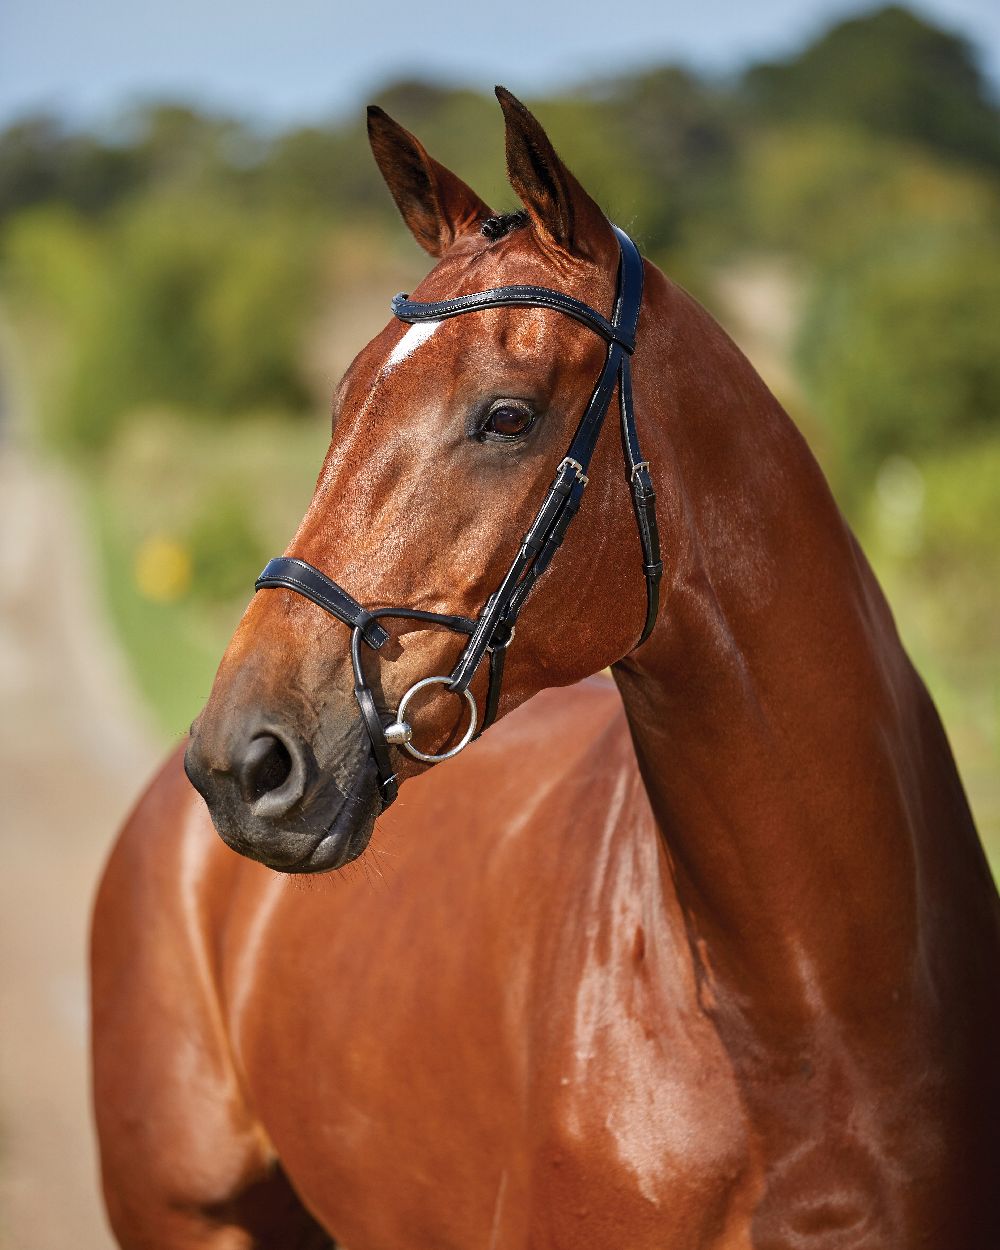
x=265 y=766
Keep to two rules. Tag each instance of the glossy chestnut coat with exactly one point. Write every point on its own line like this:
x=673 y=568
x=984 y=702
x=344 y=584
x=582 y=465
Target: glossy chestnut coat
x=707 y=961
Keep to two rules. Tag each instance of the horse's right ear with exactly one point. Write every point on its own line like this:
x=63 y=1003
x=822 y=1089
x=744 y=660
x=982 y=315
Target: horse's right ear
x=435 y=203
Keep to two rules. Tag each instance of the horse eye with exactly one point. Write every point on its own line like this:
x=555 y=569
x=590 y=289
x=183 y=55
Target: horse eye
x=507 y=421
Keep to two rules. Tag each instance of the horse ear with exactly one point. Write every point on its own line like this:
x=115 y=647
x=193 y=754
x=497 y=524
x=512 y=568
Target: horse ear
x=562 y=212
x=435 y=203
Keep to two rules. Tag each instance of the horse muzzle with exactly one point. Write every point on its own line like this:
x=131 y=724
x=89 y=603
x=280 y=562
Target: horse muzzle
x=271 y=801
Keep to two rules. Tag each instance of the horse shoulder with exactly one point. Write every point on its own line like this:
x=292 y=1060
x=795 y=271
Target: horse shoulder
x=181 y=1157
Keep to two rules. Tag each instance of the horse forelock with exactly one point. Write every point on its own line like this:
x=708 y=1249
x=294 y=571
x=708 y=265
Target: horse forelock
x=502 y=224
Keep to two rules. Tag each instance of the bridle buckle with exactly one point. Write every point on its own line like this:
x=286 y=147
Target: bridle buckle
x=502 y=646
x=568 y=463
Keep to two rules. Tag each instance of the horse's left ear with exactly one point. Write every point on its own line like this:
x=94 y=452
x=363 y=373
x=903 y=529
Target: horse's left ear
x=562 y=212
x=435 y=203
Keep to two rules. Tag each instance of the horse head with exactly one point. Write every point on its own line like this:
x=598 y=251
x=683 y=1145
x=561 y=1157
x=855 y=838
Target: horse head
x=446 y=431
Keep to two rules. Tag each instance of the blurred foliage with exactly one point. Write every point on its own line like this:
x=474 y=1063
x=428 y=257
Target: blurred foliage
x=900 y=352
x=187 y=290
x=887 y=73
x=222 y=496
x=179 y=301
x=832 y=195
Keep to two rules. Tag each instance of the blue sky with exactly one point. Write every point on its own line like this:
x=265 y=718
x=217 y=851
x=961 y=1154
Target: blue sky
x=277 y=61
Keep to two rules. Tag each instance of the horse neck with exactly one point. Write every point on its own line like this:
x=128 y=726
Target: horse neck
x=796 y=767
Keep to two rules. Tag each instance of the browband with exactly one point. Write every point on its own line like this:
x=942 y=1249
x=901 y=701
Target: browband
x=493 y=630
x=410 y=310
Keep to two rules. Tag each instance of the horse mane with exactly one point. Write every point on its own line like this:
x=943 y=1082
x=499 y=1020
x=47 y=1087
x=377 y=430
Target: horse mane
x=494 y=228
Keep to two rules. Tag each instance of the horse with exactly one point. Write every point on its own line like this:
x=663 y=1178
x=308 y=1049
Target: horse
x=700 y=955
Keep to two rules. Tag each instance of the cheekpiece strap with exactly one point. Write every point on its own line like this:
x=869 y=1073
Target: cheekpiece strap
x=560 y=505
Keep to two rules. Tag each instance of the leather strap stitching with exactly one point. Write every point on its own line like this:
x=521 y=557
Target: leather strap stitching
x=294 y=574
x=513 y=297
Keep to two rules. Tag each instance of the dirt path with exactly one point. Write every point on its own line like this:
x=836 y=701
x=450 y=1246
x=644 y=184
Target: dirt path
x=74 y=751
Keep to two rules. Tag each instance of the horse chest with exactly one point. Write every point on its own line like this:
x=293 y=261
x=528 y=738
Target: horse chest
x=464 y=1110
x=502 y=1047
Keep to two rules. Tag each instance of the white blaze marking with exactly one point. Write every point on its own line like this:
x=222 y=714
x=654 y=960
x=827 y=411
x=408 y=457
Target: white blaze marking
x=418 y=333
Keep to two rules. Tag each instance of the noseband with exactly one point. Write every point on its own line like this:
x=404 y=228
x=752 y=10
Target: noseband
x=492 y=631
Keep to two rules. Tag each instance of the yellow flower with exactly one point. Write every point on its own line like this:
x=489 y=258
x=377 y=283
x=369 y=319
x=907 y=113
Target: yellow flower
x=162 y=569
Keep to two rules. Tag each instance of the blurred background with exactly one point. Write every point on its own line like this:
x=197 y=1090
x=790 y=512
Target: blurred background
x=194 y=242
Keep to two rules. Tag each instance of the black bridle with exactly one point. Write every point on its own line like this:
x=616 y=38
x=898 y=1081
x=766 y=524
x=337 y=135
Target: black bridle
x=491 y=632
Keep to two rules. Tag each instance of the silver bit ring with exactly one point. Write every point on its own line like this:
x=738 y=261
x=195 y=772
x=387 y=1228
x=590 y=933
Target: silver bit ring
x=400 y=733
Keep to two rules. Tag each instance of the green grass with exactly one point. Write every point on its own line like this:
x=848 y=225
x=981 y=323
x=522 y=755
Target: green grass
x=172 y=659
x=174 y=478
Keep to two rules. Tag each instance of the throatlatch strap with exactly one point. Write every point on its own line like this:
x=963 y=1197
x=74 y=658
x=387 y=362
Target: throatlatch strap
x=301 y=577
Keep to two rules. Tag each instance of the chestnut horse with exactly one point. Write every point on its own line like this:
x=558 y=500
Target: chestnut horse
x=707 y=962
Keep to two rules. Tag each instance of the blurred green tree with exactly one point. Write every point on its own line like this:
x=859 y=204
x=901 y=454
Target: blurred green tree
x=180 y=301
x=42 y=163
x=900 y=355
x=888 y=73
x=681 y=134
